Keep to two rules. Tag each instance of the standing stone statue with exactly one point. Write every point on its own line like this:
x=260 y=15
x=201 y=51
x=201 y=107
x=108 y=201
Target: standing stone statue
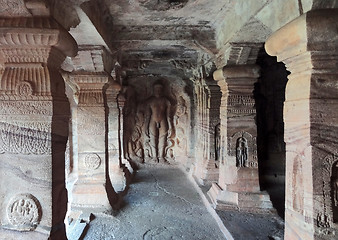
x=217 y=142
x=242 y=152
x=158 y=124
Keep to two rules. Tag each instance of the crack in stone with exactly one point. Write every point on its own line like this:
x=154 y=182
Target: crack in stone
x=170 y=193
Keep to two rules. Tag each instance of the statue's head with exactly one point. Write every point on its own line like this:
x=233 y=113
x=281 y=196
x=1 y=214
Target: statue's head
x=158 y=89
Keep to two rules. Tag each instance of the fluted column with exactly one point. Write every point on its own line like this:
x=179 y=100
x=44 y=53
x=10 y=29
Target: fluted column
x=309 y=48
x=34 y=114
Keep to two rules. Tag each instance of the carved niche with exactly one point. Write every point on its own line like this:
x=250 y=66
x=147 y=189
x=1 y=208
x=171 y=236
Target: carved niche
x=329 y=214
x=243 y=147
x=24 y=212
x=155 y=123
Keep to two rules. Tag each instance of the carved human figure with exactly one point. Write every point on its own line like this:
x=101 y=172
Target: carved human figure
x=335 y=185
x=158 y=123
x=217 y=141
x=241 y=152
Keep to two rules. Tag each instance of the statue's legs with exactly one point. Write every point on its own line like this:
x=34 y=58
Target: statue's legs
x=153 y=141
x=162 y=141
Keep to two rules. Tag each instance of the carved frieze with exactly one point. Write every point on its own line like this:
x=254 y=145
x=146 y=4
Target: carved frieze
x=24 y=212
x=163 y=5
x=26 y=108
x=241 y=104
x=25 y=137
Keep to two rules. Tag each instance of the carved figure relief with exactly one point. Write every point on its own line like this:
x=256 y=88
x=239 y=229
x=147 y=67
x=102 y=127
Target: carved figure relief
x=133 y=127
x=242 y=152
x=92 y=161
x=158 y=124
x=24 y=212
x=155 y=122
x=298 y=186
x=180 y=118
x=217 y=142
x=242 y=145
x=330 y=189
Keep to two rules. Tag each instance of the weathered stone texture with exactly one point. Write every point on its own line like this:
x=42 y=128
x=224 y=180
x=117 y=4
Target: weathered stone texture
x=310 y=121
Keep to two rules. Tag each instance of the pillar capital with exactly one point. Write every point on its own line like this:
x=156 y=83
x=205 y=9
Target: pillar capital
x=32 y=40
x=312 y=32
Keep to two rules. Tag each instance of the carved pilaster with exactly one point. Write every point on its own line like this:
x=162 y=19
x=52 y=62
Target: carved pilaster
x=34 y=117
x=309 y=48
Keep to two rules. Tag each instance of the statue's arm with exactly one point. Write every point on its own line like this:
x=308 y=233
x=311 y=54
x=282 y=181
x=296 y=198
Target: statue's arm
x=170 y=119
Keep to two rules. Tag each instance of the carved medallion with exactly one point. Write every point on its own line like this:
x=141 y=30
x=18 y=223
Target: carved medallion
x=92 y=161
x=24 y=212
x=24 y=89
x=112 y=150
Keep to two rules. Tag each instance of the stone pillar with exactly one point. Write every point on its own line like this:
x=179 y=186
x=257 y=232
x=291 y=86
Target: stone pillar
x=309 y=48
x=202 y=119
x=34 y=114
x=238 y=185
x=115 y=133
x=214 y=132
x=91 y=191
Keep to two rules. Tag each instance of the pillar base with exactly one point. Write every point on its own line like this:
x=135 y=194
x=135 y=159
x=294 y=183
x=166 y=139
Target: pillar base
x=90 y=196
x=256 y=202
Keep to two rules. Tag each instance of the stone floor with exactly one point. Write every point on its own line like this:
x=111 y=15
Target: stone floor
x=161 y=204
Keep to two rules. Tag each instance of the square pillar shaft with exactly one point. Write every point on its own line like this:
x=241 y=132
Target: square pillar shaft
x=34 y=117
x=309 y=48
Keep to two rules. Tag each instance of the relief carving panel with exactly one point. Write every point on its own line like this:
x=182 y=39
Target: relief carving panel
x=155 y=126
x=92 y=161
x=24 y=212
x=242 y=145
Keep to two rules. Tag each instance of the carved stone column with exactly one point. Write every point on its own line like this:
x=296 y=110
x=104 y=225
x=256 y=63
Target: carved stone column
x=115 y=141
x=34 y=114
x=214 y=132
x=309 y=48
x=238 y=185
x=88 y=81
x=202 y=134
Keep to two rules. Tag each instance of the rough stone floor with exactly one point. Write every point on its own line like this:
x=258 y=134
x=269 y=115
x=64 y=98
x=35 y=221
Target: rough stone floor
x=161 y=204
